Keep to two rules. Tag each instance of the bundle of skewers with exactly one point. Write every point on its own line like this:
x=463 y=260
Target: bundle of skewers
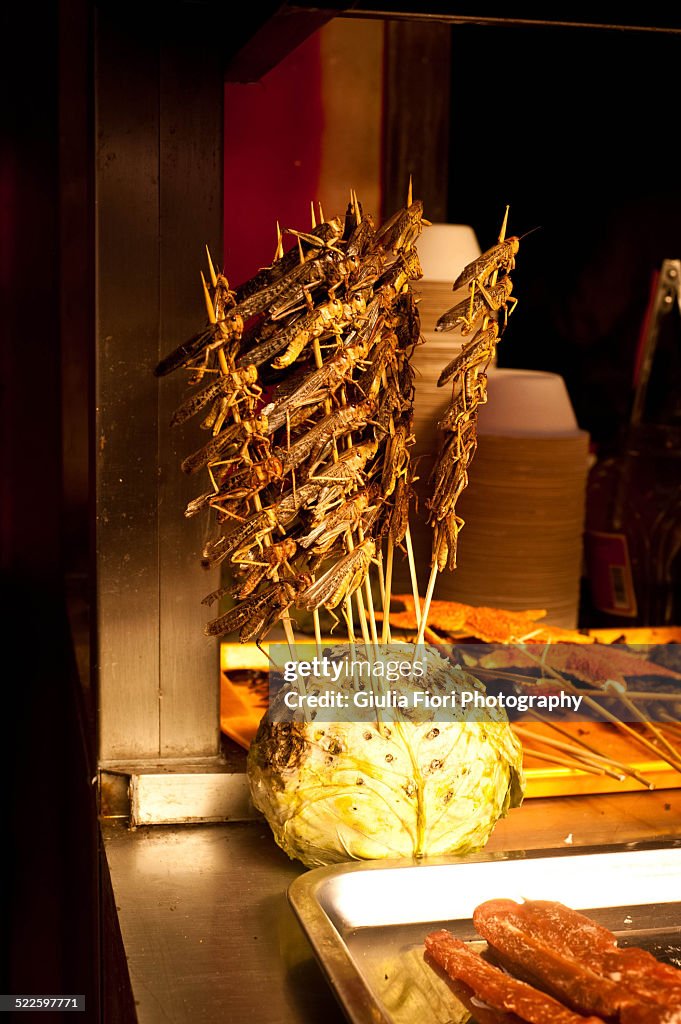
x=304 y=380
x=303 y=377
x=483 y=315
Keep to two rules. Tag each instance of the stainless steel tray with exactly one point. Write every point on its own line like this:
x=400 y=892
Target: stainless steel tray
x=366 y=922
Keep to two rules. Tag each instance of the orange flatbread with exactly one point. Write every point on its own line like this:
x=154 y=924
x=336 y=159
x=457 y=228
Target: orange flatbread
x=491 y=625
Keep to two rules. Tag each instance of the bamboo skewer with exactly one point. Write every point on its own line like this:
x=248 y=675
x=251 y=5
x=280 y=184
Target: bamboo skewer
x=386 y=586
x=434 y=569
x=622 y=765
x=414 y=579
x=569 y=748
x=518 y=677
x=564 y=762
x=620 y=690
x=595 y=706
x=672 y=724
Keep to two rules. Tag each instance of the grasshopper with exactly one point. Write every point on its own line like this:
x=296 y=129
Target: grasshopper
x=483 y=302
x=330 y=316
x=333 y=479
x=289 y=290
x=331 y=270
x=256 y=616
x=477 y=352
x=382 y=352
x=295 y=335
x=318 y=384
x=361 y=238
x=345 y=419
x=399 y=515
x=211 y=338
x=500 y=258
x=396 y=457
x=326 y=233
x=408 y=327
x=400 y=231
x=227 y=386
x=405 y=268
x=291 y=503
x=341 y=580
x=238 y=434
x=472 y=392
x=346 y=516
x=224 y=331
x=239 y=486
x=241 y=539
x=445 y=541
x=272 y=558
x=450 y=475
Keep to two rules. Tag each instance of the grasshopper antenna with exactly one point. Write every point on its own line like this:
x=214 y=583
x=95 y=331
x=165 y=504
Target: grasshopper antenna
x=530 y=232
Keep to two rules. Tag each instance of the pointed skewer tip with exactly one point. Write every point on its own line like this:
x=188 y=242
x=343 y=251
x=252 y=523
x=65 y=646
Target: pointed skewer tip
x=279 y=251
x=211 y=269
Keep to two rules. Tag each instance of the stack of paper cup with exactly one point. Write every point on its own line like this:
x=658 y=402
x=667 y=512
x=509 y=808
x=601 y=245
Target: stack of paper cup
x=521 y=546
x=444 y=250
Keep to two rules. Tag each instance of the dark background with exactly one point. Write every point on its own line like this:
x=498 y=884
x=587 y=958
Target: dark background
x=573 y=128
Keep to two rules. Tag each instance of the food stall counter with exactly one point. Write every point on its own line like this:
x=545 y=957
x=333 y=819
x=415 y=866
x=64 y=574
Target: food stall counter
x=208 y=932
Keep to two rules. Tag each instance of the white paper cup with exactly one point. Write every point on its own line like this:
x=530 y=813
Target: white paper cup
x=445 y=249
x=527 y=403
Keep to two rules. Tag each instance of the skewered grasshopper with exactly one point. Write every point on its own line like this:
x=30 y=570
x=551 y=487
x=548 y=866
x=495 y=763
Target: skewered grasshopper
x=256 y=616
x=400 y=231
x=327 y=233
x=241 y=539
x=271 y=559
x=316 y=385
x=341 y=580
x=477 y=352
x=237 y=435
x=405 y=268
x=500 y=257
x=312 y=444
x=396 y=457
x=238 y=486
x=230 y=385
x=347 y=515
x=211 y=338
x=484 y=302
x=330 y=316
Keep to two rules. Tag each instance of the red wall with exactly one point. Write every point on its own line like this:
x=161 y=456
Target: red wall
x=273 y=139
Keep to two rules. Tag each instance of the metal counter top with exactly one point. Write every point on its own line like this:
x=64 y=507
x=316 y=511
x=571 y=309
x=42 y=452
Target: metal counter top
x=208 y=933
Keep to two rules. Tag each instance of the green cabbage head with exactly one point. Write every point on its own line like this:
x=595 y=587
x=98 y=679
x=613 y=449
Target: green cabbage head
x=388 y=785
